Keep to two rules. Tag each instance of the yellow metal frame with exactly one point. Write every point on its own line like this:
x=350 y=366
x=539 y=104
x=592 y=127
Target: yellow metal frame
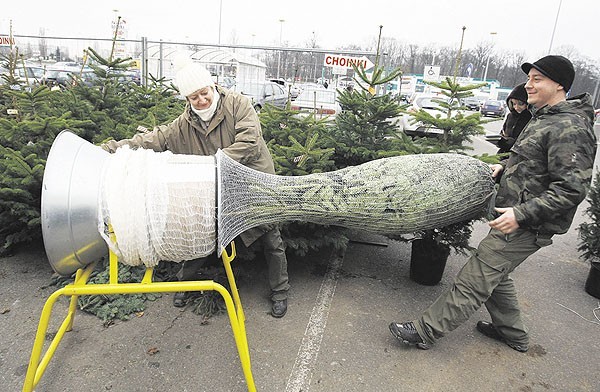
x=37 y=366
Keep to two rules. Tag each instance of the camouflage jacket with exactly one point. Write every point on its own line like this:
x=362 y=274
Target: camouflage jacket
x=549 y=170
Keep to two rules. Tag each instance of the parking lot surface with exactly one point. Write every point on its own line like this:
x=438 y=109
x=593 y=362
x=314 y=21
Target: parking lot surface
x=334 y=337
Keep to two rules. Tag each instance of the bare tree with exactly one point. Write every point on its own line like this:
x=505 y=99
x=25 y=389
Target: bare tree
x=42 y=44
x=233 y=38
x=480 y=55
x=413 y=50
x=311 y=58
x=587 y=76
x=514 y=74
x=446 y=57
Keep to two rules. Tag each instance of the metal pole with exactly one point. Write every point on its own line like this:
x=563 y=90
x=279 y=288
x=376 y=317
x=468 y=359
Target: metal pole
x=144 y=73
x=280 y=45
x=554 y=29
x=220 y=15
x=160 y=61
x=487 y=63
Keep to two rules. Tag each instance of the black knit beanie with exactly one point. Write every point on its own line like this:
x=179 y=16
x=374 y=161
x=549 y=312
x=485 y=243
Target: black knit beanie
x=557 y=68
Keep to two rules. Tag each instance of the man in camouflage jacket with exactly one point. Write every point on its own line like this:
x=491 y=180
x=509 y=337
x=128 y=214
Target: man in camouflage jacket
x=546 y=176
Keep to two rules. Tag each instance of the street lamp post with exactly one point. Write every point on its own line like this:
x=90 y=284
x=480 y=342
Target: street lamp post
x=280 y=45
x=487 y=63
x=554 y=29
x=220 y=17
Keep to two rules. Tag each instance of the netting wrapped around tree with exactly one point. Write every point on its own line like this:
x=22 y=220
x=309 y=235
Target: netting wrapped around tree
x=395 y=195
x=162 y=206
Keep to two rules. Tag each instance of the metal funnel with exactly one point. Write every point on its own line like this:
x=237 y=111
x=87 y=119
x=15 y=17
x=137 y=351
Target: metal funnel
x=70 y=190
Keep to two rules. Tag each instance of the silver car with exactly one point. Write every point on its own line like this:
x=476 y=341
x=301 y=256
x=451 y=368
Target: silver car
x=263 y=93
x=431 y=104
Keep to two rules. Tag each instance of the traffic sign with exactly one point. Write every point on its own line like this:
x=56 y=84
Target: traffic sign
x=431 y=73
x=332 y=60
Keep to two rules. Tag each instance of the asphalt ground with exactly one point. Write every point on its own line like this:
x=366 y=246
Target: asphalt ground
x=334 y=337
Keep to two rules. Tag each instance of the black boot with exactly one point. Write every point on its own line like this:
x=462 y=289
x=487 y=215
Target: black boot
x=180 y=299
x=407 y=334
x=279 y=308
x=490 y=331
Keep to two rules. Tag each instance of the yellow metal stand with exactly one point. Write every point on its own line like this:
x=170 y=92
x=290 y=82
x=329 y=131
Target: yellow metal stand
x=79 y=287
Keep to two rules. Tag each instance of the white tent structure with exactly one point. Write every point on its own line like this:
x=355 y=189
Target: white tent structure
x=221 y=63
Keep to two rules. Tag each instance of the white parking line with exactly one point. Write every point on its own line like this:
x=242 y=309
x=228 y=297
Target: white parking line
x=301 y=375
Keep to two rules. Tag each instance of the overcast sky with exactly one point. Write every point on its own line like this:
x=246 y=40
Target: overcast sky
x=519 y=25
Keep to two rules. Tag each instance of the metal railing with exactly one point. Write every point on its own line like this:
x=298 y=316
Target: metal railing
x=153 y=57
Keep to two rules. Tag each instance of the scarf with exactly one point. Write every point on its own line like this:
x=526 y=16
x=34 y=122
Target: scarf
x=206 y=114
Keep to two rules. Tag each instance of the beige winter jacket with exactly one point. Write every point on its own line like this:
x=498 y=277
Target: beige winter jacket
x=234 y=128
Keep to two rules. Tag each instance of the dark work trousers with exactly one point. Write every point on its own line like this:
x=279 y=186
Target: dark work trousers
x=190 y=268
x=274 y=251
x=485 y=279
x=275 y=257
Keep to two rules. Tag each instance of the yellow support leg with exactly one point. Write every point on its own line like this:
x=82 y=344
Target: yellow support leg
x=38 y=366
x=243 y=349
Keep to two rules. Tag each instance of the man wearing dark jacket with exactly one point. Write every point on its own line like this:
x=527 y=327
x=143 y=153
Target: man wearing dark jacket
x=545 y=178
x=518 y=116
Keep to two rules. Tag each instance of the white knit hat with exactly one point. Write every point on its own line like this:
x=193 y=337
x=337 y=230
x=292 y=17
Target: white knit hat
x=190 y=76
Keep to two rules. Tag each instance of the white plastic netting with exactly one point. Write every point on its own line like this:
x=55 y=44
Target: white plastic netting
x=395 y=195
x=162 y=206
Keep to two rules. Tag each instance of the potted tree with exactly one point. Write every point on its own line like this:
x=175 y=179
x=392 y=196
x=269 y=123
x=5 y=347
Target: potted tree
x=589 y=239
x=430 y=250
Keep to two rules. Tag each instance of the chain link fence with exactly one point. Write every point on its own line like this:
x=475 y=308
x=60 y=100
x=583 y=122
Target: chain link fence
x=155 y=57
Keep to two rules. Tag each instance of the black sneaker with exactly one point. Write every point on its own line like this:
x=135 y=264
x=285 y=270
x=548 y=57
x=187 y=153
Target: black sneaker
x=407 y=334
x=490 y=331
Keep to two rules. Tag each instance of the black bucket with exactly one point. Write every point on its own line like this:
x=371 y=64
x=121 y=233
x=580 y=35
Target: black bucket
x=592 y=284
x=428 y=261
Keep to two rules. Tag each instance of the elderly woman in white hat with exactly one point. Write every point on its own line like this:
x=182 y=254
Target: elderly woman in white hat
x=216 y=118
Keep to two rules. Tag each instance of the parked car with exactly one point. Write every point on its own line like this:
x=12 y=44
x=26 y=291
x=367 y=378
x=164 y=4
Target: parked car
x=312 y=86
x=493 y=108
x=295 y=90
x=321 y=102
x=27 y=76
x=292 y=89
x=264 y=93
x=225 y=81
x=126 y=76
x=431 y=104
x=63 y=78
x=471 y=103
